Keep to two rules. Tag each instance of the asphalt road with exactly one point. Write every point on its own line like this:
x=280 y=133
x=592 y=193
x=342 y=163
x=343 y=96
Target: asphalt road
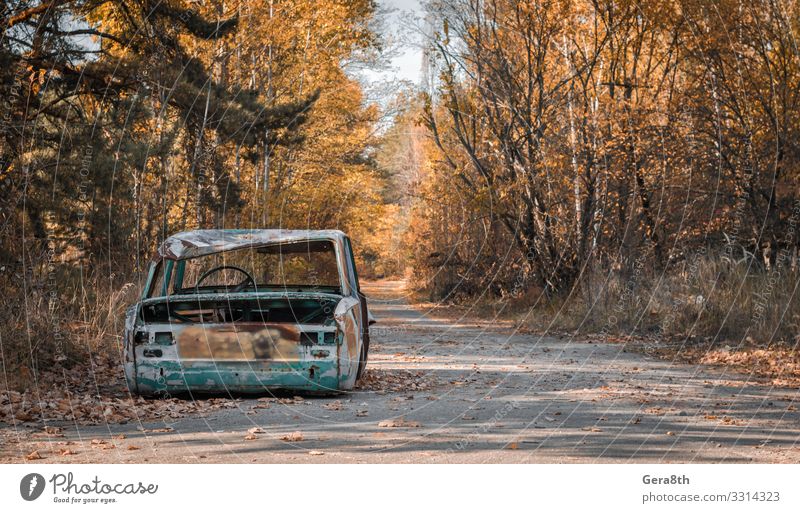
x=449 y=389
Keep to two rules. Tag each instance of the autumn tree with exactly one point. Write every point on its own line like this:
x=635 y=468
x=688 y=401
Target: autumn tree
x=125 y=121
x=600 y=133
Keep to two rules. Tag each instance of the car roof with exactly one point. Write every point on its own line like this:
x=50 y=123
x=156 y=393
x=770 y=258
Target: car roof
x=197 y=243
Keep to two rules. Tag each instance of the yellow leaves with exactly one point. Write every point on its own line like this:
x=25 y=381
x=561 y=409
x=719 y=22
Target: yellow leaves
x=399 y=422
x=34 y=456
x=296 y=436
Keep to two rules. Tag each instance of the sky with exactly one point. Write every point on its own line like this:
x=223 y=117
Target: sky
x=407 y=63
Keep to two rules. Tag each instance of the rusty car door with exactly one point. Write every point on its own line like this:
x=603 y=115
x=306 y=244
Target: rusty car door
x=362 y=299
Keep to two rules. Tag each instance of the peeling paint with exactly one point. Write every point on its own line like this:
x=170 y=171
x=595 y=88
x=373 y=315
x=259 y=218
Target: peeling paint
x=177 y=356
x=197 y=243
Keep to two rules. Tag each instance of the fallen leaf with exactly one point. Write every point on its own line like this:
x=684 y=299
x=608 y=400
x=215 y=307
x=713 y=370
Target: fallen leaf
x=133 y=448
x=34 y=456
x=399 y=422
x=512 y=446
x=297 y=436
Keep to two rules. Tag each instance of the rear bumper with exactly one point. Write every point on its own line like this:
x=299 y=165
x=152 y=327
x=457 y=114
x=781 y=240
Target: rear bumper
x=180 y=359
x=178 y=377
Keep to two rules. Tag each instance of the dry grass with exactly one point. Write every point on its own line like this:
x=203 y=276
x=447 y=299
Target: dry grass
x=707 y=310
x=711 y=298
x=57 y=320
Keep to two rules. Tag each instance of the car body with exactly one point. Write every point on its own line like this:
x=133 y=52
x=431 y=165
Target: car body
x=221 y=313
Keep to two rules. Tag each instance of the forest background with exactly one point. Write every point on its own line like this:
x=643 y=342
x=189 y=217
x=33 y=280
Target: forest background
x=622 y=167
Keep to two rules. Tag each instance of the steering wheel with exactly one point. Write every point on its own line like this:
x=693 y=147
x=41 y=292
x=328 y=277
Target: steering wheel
x=237 y=288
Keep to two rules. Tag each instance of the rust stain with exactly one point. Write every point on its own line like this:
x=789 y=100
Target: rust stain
x=351 y=339
x=240 y=342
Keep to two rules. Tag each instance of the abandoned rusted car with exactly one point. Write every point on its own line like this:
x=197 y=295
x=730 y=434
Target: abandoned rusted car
x=247 y=311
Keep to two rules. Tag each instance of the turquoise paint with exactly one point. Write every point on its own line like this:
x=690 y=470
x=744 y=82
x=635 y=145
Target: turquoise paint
x=320 y=369
x=167 y=276
x=179 y=268
x=173 y=377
